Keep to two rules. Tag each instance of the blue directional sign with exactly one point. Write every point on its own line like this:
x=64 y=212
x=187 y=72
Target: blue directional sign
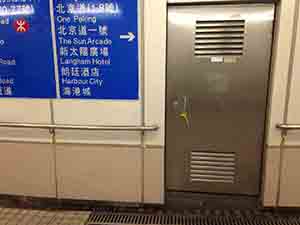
x=97 y=48
x=26 y=53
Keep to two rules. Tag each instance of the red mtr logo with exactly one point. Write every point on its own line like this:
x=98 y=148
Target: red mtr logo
x=21 y=25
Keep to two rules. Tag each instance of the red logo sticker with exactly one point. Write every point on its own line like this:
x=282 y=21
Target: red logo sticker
x=21 y=26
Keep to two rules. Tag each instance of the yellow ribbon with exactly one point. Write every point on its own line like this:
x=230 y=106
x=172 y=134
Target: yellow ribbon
x=184 y=115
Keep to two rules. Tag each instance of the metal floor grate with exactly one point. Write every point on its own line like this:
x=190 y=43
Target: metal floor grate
x=10 y=216
x=115 y=219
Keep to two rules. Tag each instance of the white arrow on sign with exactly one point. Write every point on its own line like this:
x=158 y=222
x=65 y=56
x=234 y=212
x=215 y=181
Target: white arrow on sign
x=130 y=36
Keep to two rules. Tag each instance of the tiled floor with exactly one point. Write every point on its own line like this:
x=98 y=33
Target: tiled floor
x=11 y=216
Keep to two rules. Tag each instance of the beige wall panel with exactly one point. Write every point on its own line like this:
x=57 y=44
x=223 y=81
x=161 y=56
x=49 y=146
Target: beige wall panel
x=293 y=117
x=25 y=135
x=154 y=176
x=107 y=113
x=98 y=137
x=294 y=104
x=99 y=173
x=25 y=111
x=85 y=112
x=280 y=68
x=27 y=169
x=155 y=67
x=293 y=137
x=271 y=176
x=290 y=179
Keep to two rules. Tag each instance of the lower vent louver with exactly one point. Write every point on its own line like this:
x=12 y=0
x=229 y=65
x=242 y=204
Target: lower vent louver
x=212 y=167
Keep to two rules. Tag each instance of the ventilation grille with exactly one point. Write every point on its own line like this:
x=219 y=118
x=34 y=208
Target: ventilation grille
x=113 y=218
x=219 y=38
x=212 y=167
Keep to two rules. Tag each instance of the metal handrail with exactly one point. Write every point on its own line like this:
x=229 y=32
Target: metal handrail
x=79 y=127
x=286 y=127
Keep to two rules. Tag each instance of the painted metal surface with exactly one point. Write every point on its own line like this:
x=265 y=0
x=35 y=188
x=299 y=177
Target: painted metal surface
x=217 y=85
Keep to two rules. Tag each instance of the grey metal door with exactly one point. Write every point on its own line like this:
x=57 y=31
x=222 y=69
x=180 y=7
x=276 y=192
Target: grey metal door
x=217 y=86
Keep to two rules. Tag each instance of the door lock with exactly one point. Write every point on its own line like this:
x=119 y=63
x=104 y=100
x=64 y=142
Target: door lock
x=185 y=117
x=183 y=111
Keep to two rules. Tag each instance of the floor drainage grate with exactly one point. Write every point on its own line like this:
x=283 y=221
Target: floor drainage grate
x=116 y=219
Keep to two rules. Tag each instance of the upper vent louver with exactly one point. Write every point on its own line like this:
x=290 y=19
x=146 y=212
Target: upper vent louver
x=219 y=38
